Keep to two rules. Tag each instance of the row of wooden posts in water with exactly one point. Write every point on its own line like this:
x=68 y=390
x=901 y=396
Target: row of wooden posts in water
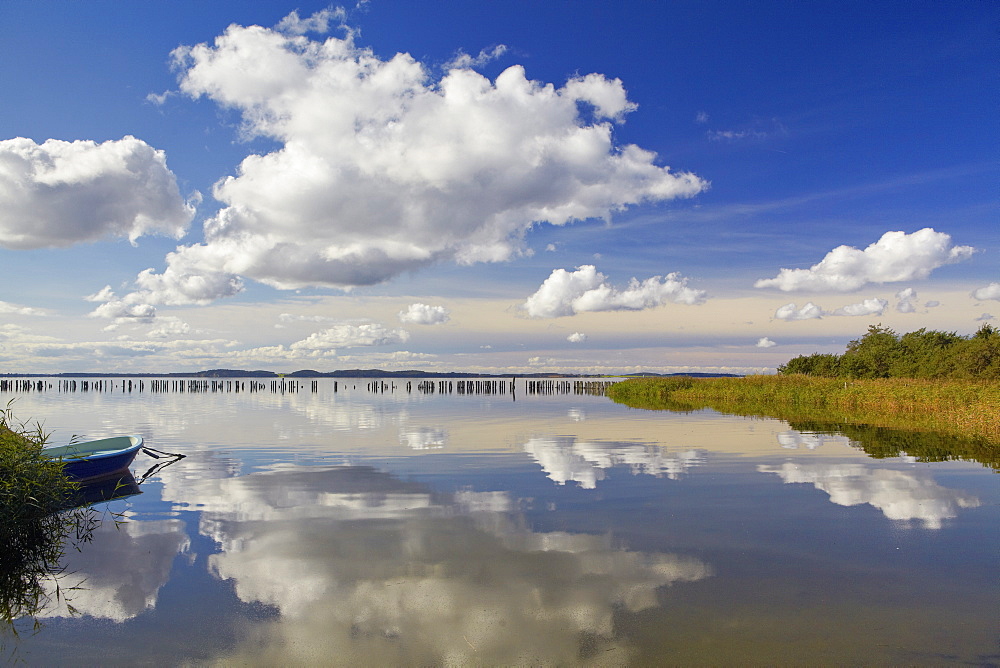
x=283 y=385
x=154 y=385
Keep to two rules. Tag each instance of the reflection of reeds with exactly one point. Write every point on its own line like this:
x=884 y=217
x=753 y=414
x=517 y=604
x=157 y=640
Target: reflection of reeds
x=969 y=411
x=34 y=525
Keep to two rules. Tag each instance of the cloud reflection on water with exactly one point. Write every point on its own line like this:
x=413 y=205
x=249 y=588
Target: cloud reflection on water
x=140 y=555
x=366 y=567
x=899 y=495
x=423 y=438
x=793 y=440
x=565 y=459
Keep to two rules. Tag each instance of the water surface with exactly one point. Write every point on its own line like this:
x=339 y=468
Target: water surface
x=402 y=528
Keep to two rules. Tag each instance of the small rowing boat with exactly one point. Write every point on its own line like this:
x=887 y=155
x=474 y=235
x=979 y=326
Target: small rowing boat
x=96 y=459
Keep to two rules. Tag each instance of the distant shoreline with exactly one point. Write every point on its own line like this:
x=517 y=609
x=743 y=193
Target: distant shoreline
x=353 y=373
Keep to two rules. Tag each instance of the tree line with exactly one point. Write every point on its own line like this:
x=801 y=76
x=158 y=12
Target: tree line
x=882 y=353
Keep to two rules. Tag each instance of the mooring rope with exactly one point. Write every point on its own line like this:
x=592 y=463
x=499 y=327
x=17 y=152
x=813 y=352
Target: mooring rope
x=170 y=458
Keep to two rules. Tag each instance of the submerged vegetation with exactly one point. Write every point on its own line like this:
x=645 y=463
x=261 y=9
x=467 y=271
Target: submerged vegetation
x=34 y=521
x=879 y=413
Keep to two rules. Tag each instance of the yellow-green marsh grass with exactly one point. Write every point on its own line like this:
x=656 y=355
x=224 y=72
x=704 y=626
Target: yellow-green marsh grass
x=967 y=410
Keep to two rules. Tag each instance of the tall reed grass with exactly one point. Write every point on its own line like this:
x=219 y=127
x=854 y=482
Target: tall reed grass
x=967 y=409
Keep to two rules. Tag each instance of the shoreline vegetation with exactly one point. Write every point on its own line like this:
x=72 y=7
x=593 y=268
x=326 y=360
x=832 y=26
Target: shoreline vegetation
x=933 y=420
x=882 y=353
x=36 y=519
x=929 y=394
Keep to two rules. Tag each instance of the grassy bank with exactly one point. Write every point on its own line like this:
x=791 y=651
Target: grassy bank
x=31 y=485
x=967 y=411
x=33 y=492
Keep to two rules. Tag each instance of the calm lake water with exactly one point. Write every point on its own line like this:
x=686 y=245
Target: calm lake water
x=354 y=527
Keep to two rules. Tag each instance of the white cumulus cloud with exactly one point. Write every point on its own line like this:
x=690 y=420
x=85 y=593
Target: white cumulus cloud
x=103 y=295
x=906 y=298
x=789 y=312
x=424 y=314
x=873 y=306
x=792 y=312
x=384 y=168
x=168 y=327
x=896 y=256
x=766 y=343
x=188 y=279
x=991 y=291
x=122 y=311
x=577 y=337
x=59 y=193
x=351 y=336
x=586 y=289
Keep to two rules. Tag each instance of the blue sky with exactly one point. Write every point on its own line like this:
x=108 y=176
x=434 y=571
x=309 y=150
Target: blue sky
x=499 y=187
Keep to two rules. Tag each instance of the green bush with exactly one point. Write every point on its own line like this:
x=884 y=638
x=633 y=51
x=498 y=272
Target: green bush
x=881 y=353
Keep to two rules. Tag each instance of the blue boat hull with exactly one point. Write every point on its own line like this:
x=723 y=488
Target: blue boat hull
x=85 y=469
x=96 y=459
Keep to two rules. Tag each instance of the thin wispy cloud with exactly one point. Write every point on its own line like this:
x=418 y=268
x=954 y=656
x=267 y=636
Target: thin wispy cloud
x=289 y=318
x=17 y=309
x=464 y=60
x=756 y=131
x=736 y=135
x=707 y=212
